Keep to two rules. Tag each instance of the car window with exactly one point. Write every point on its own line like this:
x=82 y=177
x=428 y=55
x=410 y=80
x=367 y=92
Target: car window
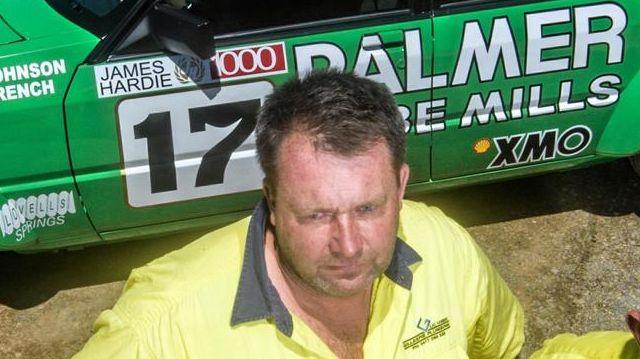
x=477 y=4
x=233 y=19
x=97 y=16
x=98 y=7
x=235 y=16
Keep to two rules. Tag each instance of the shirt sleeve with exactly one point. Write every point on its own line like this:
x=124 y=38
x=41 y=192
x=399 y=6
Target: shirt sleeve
x=496 y=328
x=114 y=338
x=605 y=344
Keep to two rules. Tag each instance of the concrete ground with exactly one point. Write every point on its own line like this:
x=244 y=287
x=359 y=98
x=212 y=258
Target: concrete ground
x=567 y=243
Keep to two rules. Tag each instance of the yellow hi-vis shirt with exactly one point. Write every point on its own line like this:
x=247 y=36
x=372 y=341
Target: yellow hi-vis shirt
x=593 y=345
x=439 y=298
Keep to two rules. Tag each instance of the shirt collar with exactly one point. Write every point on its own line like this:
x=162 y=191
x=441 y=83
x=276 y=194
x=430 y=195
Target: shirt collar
x=257 y=298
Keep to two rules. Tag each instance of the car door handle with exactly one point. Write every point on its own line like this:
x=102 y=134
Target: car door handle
x=391 y=42
x=387 y=40
x=392 y=38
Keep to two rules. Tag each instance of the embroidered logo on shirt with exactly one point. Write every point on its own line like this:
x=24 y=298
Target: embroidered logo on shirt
x=429 y=332
x=423 y=324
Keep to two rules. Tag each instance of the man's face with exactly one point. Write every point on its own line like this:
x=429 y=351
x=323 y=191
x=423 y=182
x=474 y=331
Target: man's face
x=335 y=217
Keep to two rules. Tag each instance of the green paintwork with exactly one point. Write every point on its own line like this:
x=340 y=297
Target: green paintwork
x=69 y=142
x=459 y=142
x=34 y=19
x=97 y=159
x=7 y=34
x=617 y=140
x=33 y=131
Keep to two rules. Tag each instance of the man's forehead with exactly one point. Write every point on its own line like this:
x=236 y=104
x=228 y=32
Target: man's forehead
x=305 y=147
x=295 y=142
x=300 y=161
x=327 y=180
x=336 y=201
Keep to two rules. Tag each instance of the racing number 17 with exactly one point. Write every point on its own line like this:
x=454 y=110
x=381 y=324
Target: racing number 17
x=156 y=128
x=190 y=144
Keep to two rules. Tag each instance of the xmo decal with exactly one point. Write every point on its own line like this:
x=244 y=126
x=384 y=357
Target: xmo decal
x=540 y=146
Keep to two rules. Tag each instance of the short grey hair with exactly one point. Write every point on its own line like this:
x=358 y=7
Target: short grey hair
x=342 y=113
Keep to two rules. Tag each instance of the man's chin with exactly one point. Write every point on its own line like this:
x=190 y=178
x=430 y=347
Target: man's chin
x=346 y=286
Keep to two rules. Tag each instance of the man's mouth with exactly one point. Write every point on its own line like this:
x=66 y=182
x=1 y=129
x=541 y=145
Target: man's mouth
x=345 y=267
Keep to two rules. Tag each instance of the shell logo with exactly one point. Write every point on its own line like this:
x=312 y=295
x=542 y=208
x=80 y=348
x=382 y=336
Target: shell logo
x=482 y=146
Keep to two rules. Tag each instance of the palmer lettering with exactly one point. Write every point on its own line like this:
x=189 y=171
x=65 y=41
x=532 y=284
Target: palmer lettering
x=487 y=51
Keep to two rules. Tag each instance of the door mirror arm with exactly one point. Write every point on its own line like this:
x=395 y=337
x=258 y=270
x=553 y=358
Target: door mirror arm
x=180 y=31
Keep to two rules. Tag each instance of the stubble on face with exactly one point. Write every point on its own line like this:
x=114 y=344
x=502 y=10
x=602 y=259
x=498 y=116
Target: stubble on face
x=374 y=264
x=310 y=178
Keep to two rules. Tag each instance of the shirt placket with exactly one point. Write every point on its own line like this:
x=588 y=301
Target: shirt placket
x=309 y=340
x=386 y=325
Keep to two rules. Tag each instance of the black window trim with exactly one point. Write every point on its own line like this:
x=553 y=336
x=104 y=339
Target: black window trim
x=440 y=7
x=100 y=26
x=318 y=26
x=415 y=10
x=102 y=52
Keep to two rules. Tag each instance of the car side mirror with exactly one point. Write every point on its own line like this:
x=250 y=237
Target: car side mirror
x=166 y=27
x=180 y=31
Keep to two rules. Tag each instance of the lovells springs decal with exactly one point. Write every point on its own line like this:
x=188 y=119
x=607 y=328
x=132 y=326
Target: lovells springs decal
x=20 y=216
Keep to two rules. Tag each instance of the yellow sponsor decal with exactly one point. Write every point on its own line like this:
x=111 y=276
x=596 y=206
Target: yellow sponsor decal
x=482 y=146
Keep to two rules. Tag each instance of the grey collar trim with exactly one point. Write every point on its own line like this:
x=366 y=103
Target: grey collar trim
x=398 y=270
x=257 y=298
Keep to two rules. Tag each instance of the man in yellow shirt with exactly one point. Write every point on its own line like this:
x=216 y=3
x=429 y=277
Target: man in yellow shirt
x=595 y=345
x=332 y=263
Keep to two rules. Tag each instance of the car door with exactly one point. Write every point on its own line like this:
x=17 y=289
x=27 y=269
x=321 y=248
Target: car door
x=40 y=207
x=530 y=84
x=159 y=138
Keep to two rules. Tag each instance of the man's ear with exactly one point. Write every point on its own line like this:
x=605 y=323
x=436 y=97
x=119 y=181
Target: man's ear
x=270 y=196
x=403 y=178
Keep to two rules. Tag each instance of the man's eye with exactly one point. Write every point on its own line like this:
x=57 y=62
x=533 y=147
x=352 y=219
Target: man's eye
x=317 y=216
x=366 y=209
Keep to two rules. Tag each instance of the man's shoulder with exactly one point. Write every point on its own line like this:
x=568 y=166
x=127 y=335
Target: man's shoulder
x=428 y=229
x=413 y=210
x=418 y=217
x=210 y=264
x=191 y=288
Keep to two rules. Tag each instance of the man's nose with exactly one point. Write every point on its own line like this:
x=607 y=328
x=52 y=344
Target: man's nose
x=346 y=242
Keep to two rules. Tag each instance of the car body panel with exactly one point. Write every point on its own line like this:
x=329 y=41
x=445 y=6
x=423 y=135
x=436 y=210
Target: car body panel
x=539 y=94
x=8 y=34
x=151 y=143
x=40 y=198
x=33 y=19
x=112 y=163
x=621 y=136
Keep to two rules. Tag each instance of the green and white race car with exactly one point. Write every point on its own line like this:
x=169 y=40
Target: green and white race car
x=130 y=118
